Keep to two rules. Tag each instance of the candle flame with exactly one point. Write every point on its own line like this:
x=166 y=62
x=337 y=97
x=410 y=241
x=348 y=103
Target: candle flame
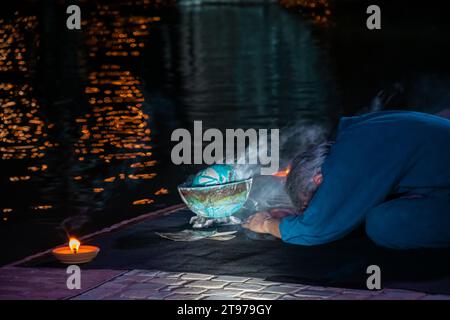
x=74 y=244
x=283 y=173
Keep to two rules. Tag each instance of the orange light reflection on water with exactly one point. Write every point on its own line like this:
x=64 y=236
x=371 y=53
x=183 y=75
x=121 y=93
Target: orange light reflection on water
x=318 y=10
x=116 y=130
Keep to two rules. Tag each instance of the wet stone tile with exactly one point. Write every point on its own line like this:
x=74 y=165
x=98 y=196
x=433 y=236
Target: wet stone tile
x=177 y=296
x=360 y=292
x=170 y=288
x=260 y=296
x=188 y=290
x=244 y=286
x=261 y=282
x=230 y=278
x=175 y=275
x=126 y=280
x=142 y=273
x=313 y=293
x=220 y=292
x=219 y=297
x=135 y=294
x=287 y=297
x=351 y=296
x=149 y=286
x=166 y=281
x=196 y=276
x=402 y=294
x=158 y=295
x=207 y=284
x=282 y=289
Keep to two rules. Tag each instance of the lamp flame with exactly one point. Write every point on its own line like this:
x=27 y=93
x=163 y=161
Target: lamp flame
x=74 y=244
x=283 y=173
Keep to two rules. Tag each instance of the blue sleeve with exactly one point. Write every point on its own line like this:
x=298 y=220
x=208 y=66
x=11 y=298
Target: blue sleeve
x=353 y=183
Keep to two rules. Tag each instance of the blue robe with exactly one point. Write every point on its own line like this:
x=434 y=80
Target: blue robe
x=389 y=170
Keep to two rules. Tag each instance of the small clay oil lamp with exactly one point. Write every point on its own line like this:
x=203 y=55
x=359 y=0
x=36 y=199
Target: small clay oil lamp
x=75 y=253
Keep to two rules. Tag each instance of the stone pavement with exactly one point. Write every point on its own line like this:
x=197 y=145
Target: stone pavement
x=46 y=283
x=153 y=284
x=50 y=284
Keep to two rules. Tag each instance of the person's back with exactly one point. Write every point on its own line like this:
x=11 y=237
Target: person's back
x=415 y=145
x=389 y=169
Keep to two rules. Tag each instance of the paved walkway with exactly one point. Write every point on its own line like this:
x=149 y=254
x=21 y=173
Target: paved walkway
x=47 y=283
x=97 y=284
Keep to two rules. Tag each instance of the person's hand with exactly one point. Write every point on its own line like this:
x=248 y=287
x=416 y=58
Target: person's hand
x=255 y=222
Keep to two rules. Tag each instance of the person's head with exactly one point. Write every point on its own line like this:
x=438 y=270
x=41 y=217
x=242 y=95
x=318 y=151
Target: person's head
x=305 y=175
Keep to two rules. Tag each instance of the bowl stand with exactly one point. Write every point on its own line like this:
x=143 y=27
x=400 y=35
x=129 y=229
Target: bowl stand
x=199 y=222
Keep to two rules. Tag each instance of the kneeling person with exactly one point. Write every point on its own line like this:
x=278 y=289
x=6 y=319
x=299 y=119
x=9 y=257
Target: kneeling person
x=389 y=170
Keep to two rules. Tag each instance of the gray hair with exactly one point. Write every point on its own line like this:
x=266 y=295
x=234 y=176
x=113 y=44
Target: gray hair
x=303 y=168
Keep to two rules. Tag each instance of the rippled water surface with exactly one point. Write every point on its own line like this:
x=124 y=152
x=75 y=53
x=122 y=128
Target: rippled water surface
x=87 y=116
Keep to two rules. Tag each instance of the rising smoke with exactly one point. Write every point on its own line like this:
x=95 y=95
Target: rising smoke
x=268 y=191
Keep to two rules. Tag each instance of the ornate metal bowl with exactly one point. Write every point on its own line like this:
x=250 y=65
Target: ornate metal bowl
x=216 y=201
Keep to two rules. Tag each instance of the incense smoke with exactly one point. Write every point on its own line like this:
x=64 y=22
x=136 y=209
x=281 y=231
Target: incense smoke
x=72 y=225
x=268 y=191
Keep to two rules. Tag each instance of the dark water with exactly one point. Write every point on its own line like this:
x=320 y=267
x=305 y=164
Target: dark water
x=87 y=115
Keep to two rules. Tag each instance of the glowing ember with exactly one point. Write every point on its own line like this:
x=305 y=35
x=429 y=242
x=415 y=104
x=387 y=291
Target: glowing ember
x=143 y=201
x=161 y=191
x=283 y=173
x=74 y=245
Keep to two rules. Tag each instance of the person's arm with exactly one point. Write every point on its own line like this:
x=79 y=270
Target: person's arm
x=338 y=206
x=272 y=226
x=263 y=222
